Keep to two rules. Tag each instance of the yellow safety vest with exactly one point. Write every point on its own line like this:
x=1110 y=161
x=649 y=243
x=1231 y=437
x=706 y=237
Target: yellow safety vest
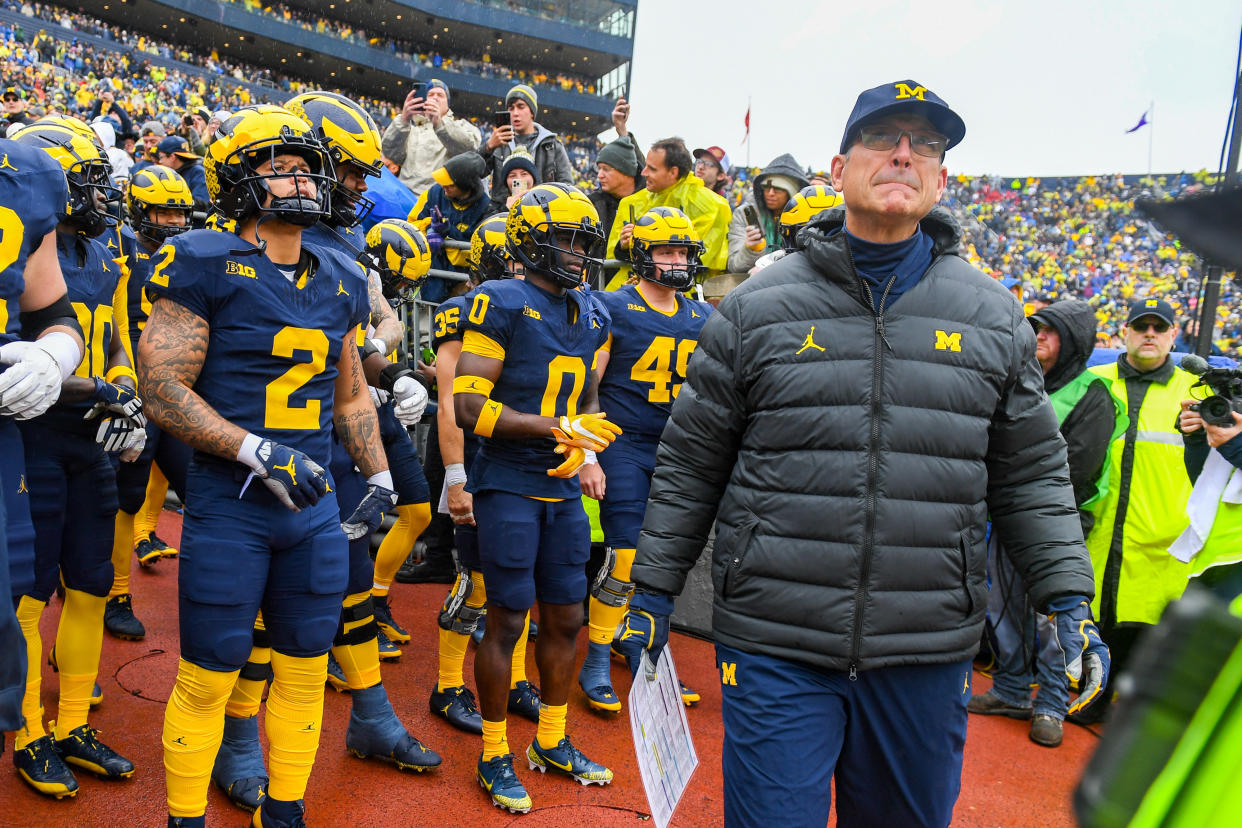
x=1157 y=491
x=1224 y=543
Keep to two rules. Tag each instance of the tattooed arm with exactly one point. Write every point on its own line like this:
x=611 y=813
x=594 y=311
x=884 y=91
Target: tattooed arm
x=353 y=413
x=385 y=322
x=170 y=355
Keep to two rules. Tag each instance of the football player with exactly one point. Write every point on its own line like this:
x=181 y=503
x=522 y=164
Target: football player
x=40 y=347
x=67 y=464
x=158 y=207
x=525 y=384
x=249 y=354
x=352 y=146
x=465 y=606
x=655 y=329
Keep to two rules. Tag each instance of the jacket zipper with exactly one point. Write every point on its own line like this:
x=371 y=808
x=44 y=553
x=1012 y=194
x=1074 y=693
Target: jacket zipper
x=877 y=384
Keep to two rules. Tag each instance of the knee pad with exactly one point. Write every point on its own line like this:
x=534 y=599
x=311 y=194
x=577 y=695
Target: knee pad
x=608 y=590
x=455 y=615
x=357 y=622
x=258 y=670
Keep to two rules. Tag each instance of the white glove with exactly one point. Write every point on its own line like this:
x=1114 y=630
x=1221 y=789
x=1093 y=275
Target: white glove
x=31 y=383
x=411 y=400
x=121 y=435
x=378 y=395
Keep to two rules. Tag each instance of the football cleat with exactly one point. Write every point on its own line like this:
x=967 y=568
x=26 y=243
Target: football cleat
x=375 y=731
x=40 y=767
x=260 y=820
x=83 y=748
x=688 y=697
x=595 y=679
x=387 y=624
x=239 y=769
x=387 y=650
x=524 y=700
x=457 y=706
x=96 y=690
x=336 y=676
x=567 y=759
x=119 y=619
x=164 y=549
x=497 y=777
x=148 y=555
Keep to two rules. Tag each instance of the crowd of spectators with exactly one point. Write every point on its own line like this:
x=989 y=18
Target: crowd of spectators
x=1058 y=238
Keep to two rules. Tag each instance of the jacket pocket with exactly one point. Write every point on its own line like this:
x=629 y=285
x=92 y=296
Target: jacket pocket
x=963 y=553
x=739 y=545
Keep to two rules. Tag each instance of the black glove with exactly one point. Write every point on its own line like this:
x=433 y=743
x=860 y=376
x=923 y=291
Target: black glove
x=370 y=512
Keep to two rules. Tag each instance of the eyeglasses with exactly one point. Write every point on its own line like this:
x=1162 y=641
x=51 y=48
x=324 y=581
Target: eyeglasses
x=923 y=142
x=1141 y=326
x=705 y=162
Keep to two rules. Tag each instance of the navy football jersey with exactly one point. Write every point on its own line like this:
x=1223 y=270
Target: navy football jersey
x=548 y=364
x=335 y=237
x=33 y=195
x=96 y=285
x=271 y=362
x=648 y=351
x=446 y=327
x=138 y=302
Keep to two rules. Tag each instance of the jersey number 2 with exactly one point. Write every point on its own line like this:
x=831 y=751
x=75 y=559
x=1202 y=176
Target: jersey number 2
x=279 y=413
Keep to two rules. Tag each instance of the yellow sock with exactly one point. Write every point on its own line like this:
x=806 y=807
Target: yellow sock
x=412 y=519
x=294 y=720
x=359 y=661
x=518 y=670
x=29 y=610
x=495 y=742
x=79 y=638
x=193 y=730
x=603 y=618
x=247 y=693
x=122 y=553
x=153 y=503
x=453 y=645
x=551 y=724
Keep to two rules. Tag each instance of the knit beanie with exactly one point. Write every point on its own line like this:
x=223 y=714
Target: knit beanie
x=620 y=156
x=521 y=159
x=439 y=83
x=525 y=93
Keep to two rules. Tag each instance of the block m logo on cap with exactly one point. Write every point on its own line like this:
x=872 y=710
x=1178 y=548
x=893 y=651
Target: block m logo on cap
x=904 y=91
x=1151 y=303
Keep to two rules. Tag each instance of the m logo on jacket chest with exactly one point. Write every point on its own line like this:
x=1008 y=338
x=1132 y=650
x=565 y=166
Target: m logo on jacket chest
x=948 y=340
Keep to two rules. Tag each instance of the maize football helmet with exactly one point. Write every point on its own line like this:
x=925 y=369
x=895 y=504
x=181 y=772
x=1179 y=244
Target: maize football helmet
x=666 y=227
x=152 y=187
x=803 y=207
x=86 y=169
x=399 y=253
x=552 y=227
x=350 y=136
x=489 y=258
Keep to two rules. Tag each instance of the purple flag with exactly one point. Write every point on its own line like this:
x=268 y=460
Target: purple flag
x=1142 y=123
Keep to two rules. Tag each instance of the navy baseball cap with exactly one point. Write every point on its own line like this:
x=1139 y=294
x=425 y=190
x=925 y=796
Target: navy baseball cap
x=176 y=145
x=1150 y=307
x=904 y=97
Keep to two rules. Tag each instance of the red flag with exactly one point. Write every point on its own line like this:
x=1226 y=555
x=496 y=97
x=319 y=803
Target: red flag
x=747 y=135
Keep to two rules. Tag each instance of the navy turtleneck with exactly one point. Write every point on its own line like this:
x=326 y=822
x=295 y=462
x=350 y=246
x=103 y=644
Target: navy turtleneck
x=903 y=262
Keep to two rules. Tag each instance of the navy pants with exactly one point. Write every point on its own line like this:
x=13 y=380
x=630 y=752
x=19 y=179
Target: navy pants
x=173 y=457
x=12 y=644
x=891 y=741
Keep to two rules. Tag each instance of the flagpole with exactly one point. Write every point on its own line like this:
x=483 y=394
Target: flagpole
x=748 y=134
x=1151 y=131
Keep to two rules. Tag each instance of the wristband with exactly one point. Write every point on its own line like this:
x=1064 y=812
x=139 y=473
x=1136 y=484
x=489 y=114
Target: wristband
x=383 y=478
x=118 y=371
x=486 y=423
x=392 y=372
x=249 y=453
x=588 y=458
x=454 y=474
x=467 y=384
x=380 y=346
x=64 y=349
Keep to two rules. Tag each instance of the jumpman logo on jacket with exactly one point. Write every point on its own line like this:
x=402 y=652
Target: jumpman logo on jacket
x=809 y=342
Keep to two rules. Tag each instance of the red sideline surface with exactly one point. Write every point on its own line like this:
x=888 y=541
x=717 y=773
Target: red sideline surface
x=1007 y=780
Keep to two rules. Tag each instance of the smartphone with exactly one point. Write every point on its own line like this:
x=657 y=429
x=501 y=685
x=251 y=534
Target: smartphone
x=419 y=89
x=518 y=185
x=500 y=119
x=752 y=215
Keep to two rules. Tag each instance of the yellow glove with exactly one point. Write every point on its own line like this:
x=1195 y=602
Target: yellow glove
x=586 y=431
x=575 y=458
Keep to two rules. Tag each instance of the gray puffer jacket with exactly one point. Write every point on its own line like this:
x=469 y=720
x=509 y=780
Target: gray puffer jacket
x=852 y=462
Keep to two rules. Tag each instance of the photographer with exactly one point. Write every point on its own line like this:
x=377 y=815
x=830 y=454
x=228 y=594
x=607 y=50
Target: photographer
x=1212 y=544
x=426 y=134
x=1144 y=509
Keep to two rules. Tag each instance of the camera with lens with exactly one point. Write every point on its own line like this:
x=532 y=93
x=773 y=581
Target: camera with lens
x=1218 y=408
